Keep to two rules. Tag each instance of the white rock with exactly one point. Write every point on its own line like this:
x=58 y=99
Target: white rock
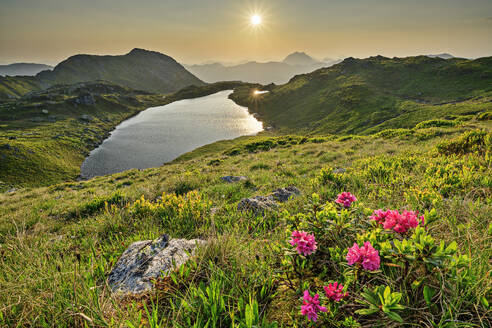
x=145 y=261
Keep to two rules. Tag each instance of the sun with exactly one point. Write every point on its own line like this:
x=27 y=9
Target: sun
x=256 y=20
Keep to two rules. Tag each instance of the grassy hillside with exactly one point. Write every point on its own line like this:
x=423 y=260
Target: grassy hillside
x=367 y=95
x=139 y=69
x=15 y=87
x=59 y=243
x=45 y=136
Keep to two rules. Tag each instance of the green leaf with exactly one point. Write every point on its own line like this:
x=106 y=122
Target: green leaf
x=396 y=297
x=394 y=316
x=485 y=303
x=387 y=293
x=428 y=294
x=368 y=311
x=369 y=296
x=397 y=307
x=452 y=248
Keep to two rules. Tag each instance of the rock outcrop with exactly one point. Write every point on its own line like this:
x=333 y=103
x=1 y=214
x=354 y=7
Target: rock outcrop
x=145 y=261
x=260 y=204
x=257 y=204
x=284 y=194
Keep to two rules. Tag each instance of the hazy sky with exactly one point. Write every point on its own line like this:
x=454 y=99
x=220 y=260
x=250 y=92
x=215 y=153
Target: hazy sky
x=194 y=31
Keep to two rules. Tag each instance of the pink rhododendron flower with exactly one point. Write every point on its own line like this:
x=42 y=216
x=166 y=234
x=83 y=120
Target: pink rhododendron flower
x=393 y=220
x=306 y=244
x=365 y=255
x=345 y=199
x=310 y=306
x=334 y=291
x=353 y=255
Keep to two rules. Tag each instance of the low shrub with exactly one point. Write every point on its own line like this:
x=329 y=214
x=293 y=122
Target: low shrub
x=183 y=214
x=436 y=123
x=485 y=116
x=469 y=142
x=384 y=269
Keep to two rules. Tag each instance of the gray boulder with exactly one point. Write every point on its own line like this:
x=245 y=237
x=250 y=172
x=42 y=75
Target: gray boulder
x=260 y=204
x=145 y=261
x=231 y=178
x=284 y=194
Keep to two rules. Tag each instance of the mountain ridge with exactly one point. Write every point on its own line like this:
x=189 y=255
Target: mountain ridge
x=278 y=72
x=23 y=69
x=138 y=69
x=357 y=95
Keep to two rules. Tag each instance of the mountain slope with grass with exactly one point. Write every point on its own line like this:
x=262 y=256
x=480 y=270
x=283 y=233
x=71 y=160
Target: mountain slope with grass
x=362 y=96
x=139 y=69
x=58 y=244
x=12 y=87
x=45 y=135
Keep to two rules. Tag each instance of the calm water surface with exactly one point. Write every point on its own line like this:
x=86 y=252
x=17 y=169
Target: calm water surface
x=160 y=134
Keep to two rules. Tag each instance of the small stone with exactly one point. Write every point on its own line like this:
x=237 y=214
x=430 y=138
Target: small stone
x=340 y=170
x=45 y=111
x=232 y=179
x=284 y=194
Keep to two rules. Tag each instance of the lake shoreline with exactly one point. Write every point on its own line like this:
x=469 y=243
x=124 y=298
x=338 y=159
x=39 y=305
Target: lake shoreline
x=160 y=134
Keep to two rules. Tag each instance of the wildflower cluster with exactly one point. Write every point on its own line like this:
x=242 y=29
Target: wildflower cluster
x=335 y=292
x=310 y=306
x=340 y=240
x=346 y=199
x=304 y=242
x=366 y=255
x=396 y=221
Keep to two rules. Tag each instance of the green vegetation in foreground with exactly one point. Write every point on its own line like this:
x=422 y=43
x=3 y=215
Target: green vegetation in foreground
x=59 y=243
x=45 y=135
x=363 y=96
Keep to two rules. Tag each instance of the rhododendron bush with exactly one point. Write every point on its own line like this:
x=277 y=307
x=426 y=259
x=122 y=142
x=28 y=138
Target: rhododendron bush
x=378 y=264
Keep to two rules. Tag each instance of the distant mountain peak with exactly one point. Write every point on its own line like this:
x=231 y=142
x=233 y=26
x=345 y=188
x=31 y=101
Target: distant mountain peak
x=23 y=69
x=443 y=56
x=299 y=58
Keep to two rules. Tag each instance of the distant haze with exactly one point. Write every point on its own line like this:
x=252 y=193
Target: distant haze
x=196 y=31
x=264 y=73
